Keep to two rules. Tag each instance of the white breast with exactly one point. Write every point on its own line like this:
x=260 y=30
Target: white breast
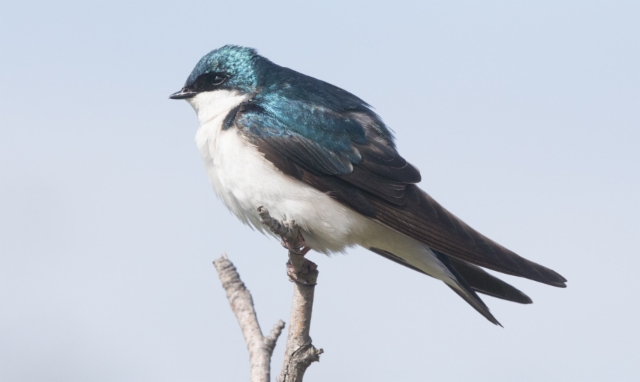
x=244 y=180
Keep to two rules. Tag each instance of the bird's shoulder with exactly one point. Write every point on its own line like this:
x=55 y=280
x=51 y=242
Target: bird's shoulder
x=297 y=103
x=300 y=122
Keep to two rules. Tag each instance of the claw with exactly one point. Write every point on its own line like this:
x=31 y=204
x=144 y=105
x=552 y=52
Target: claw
x=304 y=250
x=289 y=232
x=305 y=274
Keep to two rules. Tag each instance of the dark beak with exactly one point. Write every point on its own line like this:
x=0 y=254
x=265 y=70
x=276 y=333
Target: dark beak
x=183 y=93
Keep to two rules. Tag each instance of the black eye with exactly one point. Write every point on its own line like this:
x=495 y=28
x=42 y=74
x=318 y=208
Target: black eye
x=218 y=79
x=208 y=82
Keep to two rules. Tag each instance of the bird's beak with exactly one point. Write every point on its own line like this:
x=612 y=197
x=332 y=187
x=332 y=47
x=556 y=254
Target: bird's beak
x=183 y=93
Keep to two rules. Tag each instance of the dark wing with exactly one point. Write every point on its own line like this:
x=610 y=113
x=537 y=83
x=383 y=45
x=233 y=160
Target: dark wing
x=478 y=279
x=348 y=155
x=483 y=282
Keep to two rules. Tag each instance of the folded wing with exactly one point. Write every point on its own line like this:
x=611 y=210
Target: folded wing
x=356 y=163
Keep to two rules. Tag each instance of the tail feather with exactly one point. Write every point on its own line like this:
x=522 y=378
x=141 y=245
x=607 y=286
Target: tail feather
x=464 y=290
x=472 y=299
x=483 y=282
x=460 y=286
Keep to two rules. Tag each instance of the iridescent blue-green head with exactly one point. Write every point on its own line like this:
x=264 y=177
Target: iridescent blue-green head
x=228 y=68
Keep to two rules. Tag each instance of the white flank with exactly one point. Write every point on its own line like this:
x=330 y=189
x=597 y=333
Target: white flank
x=244 y=180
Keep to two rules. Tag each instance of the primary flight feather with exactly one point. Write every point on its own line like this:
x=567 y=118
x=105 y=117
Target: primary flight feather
x=305 y=149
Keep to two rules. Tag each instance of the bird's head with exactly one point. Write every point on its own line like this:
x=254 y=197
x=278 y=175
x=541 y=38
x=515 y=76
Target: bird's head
x=230 y=68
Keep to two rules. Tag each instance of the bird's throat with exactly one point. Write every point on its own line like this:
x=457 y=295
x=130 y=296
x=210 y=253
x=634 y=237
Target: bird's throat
x=215 y=104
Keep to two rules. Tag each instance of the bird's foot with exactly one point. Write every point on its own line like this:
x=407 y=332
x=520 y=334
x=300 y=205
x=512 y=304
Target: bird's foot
x=302 y=270
x=299 y=269
x=289 y=232
x=297 y=245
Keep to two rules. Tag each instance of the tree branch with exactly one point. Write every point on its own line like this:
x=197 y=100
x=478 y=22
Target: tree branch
x=260 y=347
x=300 y=352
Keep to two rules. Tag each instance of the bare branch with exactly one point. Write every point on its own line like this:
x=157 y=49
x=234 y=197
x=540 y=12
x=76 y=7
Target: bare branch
x=300 y=352
x=260 y=347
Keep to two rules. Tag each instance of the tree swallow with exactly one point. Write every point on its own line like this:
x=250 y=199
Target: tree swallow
x=305 y=149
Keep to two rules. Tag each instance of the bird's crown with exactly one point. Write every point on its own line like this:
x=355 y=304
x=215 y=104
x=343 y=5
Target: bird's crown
x=233 y=63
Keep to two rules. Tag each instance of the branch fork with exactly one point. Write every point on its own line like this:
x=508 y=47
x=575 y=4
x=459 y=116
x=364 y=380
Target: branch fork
x=300 y=352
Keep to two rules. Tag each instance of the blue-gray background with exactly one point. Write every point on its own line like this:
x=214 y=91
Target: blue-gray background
x=522 y=116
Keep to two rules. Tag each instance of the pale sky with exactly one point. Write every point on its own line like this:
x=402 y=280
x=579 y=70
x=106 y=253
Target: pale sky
x=523 y=118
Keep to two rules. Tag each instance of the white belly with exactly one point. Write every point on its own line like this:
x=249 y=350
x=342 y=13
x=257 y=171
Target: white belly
x=244 y=180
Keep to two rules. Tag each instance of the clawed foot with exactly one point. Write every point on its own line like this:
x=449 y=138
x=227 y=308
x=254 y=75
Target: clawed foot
x=299 y=269
x=289 y=232
x=302 y=271
x=297 y=246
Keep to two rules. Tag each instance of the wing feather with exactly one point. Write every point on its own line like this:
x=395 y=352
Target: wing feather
x=366 y=173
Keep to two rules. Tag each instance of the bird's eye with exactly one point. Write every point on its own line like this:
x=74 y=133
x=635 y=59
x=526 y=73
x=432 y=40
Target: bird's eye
x=209 y=81
x=218 y=80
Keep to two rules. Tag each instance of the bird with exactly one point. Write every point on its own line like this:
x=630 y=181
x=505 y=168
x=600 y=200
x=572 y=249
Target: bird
x=317 y=154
